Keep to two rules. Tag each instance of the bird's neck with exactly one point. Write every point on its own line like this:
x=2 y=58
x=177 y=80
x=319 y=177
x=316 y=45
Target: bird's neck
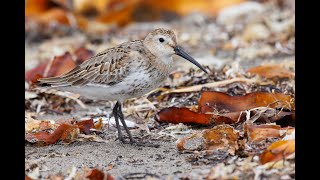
x=163 y=64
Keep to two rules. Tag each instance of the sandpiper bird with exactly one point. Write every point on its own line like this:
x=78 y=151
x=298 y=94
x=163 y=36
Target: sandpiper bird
x=129 y=70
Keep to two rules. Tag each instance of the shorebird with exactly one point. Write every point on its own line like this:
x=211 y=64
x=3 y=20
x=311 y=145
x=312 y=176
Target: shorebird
x=129 y=70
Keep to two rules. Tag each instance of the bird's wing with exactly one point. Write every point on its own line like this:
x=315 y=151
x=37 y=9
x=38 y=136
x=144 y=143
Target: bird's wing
x=108 y=67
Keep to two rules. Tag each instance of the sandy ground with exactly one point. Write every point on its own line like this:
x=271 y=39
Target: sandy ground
x=124 y=158
x=111 y=156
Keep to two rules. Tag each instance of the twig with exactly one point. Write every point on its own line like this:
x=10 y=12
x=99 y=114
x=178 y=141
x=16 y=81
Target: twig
x=141 y=107
x=209 y=85
x=150 y=103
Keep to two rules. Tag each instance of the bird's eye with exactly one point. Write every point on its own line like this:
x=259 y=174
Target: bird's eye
x=161 y=39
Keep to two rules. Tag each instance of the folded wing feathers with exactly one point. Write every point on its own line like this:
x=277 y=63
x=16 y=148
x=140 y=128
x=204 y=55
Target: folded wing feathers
x=102 y=68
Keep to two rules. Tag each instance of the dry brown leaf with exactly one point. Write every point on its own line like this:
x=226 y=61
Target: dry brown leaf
x=61 y=64
x=184 y=7
x=35 y=7
x=32 y=124
x=99 y=125
x=184 y=115
x=54 y=14
x=151 y=10
x=43 y=12
x=257 y=133
x=65 y=132
x=94 y=174
x=213 y=100
x=277 y=151
x=83 y=54
x=85 y=126
x=120 y=17
x=231 y=109
x=38 y=125
x=271 y=71
x=36 y=72
x=220 y=137
x=45 y=125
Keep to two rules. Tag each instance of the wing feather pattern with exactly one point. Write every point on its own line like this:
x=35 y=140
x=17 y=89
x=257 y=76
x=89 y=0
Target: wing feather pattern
x=107 y=67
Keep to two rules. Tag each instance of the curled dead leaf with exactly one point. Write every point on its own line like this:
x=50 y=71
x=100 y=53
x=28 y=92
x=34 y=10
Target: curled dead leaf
x=32 y=124
x=36 y=72
x=220 y=137
x=221 y=108
x=38 y=125
x=61 y=64
x=277 y=151
x=85 y=126
x=184 y=115
x=65 y=132
x=94 y=174
x=271 y=71
x=213 y=100
x=257 y=133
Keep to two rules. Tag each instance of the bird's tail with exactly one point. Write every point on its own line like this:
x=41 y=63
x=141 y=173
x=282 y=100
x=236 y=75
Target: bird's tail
x=57 y=81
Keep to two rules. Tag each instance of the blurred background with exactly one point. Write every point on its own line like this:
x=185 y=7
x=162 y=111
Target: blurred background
x=215 y=32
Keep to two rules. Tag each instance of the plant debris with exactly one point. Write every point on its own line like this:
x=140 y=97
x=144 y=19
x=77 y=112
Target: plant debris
x=277 y=151
x=219 y=137
x=219 y=101
x=220 y=108
x=66 y=132
x=257 y=133
x=271 y=71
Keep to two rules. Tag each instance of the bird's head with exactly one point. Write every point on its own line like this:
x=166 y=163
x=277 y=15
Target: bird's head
x=163 y=44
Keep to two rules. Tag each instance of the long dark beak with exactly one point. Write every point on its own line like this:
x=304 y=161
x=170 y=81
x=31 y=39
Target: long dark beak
x=178 y=50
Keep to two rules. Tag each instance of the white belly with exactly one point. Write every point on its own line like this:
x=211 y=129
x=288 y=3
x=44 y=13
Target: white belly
x=135 y=85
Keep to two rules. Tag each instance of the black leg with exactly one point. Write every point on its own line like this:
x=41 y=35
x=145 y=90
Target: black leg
x=124 y=122
x=115 y=113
